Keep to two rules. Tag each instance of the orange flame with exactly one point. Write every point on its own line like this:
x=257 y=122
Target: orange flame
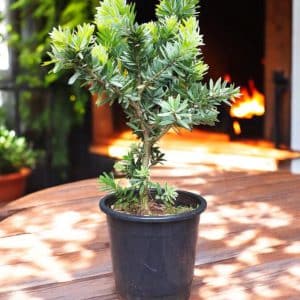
x=227 y=78
x=237 y=128
x=250 y=104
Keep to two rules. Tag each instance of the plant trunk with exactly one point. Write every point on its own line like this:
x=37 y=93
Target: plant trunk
x=146 y=162
x=147 y=145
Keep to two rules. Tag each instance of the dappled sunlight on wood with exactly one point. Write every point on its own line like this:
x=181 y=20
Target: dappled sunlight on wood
x=291 y=281
x=242 y=238
x=266 y=292
x=220 y=278
x=206 y=148
x=226 y=161
x=295 y=271
x=185 y=172
x=35 y=258
x=231 y=280
x=293 y=248
x=249 y=213
x=23 y=296
x=246 y=248
x=51 y=244
x=193 y=181
x=215 y=233
x=54 y=243
x=261 y=245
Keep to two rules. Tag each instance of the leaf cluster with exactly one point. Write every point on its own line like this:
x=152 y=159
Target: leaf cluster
x=131 y=167
x=156 y=66
x=15 y=152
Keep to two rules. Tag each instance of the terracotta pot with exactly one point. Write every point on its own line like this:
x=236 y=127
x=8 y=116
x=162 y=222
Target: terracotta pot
x=12 y=186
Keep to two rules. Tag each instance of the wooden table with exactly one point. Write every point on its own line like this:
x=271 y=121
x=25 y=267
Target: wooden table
x=54 y=243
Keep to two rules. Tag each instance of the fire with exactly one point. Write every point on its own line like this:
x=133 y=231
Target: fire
x=237 y=128
x=227 y=78
x=250 y=104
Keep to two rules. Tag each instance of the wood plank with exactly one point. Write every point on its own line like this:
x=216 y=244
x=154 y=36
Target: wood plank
x=67 y=192
x=96 y=287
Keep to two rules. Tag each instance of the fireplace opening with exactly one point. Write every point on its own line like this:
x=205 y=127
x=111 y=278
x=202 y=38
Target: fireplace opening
x=234 y=49
x=246 y=42
x=234 y=36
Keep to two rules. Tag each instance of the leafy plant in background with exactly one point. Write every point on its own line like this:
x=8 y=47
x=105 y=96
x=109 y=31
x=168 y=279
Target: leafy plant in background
x=2 y=116
x=48 y=107
x=1 y=34
x=155 y=71
x=15 y=152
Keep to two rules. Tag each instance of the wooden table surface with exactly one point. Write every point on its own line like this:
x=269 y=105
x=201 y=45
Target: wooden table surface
x=54 y=243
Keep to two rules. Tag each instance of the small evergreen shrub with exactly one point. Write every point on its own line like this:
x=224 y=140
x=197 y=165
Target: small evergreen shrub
x=155 y=71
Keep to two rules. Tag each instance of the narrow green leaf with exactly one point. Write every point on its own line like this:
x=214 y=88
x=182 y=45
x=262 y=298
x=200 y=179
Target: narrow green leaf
x=73 y=78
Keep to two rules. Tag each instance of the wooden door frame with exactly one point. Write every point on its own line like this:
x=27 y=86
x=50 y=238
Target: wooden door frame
x=295 y=80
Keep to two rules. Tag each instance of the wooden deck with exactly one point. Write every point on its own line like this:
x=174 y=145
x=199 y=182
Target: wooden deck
x=54 y=243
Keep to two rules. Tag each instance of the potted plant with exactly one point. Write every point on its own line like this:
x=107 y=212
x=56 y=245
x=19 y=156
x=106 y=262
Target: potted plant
x=16 y=159
x=155 y=71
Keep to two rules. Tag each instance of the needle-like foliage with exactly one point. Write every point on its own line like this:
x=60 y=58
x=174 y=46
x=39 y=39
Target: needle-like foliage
x=155 y=71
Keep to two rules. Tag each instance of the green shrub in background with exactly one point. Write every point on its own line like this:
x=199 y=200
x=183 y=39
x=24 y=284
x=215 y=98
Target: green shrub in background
x=48 y=107
x=2 y=116
x=15 y=152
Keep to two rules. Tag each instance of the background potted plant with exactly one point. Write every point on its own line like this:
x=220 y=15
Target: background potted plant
x=52 y=113
x=155 y=71
x=16 y=159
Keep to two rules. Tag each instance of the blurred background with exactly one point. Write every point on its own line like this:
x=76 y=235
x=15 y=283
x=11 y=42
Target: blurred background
x=247 y=42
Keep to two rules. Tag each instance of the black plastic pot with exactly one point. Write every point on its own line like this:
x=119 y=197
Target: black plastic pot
x=153 y=256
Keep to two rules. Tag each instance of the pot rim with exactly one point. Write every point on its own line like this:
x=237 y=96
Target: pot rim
x=155 y=219
x=23 y=172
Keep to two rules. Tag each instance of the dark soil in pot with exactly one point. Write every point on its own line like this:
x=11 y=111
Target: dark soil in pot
x=153 y=256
